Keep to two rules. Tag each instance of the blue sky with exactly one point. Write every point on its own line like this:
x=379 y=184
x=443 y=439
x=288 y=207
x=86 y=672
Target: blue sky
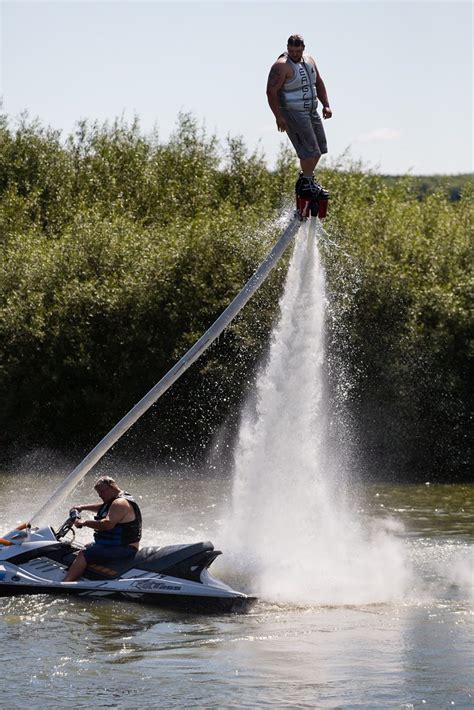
x=398 y=74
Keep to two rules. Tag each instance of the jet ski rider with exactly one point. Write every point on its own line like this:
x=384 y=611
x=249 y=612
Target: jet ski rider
x=117 y=528
x=293 y=89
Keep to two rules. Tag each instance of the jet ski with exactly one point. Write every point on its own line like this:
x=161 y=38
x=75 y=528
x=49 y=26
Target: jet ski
x=35 y=561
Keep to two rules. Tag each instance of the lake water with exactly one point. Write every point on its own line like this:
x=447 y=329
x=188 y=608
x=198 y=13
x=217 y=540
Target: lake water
x=413 y=651
x=365 y=590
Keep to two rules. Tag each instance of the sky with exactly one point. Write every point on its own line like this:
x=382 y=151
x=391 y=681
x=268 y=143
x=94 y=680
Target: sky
x=398 y=74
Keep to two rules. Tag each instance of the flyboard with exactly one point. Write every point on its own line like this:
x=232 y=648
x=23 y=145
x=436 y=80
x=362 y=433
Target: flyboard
x=315 y=205
x=34 y=560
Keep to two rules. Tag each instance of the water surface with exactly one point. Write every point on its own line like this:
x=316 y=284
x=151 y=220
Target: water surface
x=365 y=590
x=415 y=652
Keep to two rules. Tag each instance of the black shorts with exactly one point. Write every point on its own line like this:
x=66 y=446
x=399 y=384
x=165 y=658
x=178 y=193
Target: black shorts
x=95 y=552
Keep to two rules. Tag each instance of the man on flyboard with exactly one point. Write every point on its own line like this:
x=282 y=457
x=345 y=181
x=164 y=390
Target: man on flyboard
x=293 y=89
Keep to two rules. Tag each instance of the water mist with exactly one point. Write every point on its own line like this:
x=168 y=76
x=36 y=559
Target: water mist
x=292 y=528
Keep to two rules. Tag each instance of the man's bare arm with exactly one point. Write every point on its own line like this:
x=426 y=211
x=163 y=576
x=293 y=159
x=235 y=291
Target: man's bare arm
x=118 y=511
x=276 y=79
x=322 y=95
x=92 y=507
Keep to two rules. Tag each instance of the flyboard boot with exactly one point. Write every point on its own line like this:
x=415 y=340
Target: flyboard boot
x=311 y=198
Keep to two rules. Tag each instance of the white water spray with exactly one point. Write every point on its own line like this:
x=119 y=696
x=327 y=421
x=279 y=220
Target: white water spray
x=291 y=526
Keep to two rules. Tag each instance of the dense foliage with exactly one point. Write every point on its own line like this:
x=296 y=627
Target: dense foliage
x=401 y=315
x=119 y=250
x=452 y=186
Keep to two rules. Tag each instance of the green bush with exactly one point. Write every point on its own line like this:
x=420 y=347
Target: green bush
x=401 y=321
x=118 y=250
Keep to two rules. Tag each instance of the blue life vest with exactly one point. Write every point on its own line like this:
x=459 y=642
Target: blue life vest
x=123 y=533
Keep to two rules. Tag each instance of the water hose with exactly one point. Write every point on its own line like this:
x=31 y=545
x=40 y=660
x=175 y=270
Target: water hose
x=199 y=347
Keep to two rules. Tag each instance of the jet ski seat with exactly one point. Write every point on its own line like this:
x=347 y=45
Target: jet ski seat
x=184 y=561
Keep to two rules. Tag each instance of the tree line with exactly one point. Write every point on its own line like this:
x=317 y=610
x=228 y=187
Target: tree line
x=119 y=249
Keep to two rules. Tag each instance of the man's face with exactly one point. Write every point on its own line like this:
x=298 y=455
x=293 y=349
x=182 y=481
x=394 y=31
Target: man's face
x=105 y=492
x=295 y=53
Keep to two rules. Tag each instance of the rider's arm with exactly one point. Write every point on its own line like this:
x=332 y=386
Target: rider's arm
x=322 y=95
x=276 y=79
x=93 y=507
x=117 y=512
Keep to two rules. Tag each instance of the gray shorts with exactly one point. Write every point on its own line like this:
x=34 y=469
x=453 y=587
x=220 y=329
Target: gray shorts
x=305 y=130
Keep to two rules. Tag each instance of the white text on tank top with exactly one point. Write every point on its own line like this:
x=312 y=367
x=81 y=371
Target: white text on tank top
x=299 y=92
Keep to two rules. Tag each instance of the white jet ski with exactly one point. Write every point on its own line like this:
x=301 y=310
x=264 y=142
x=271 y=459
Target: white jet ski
x=35 y=560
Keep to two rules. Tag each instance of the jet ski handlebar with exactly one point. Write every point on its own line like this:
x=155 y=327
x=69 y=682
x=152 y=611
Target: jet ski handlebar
x=68 y=524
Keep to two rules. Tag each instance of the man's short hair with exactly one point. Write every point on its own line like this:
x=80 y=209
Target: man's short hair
x=106 y=481
x=295 y=41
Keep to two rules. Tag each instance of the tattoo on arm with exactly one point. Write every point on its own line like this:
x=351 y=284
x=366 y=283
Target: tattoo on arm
x=275 y=78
